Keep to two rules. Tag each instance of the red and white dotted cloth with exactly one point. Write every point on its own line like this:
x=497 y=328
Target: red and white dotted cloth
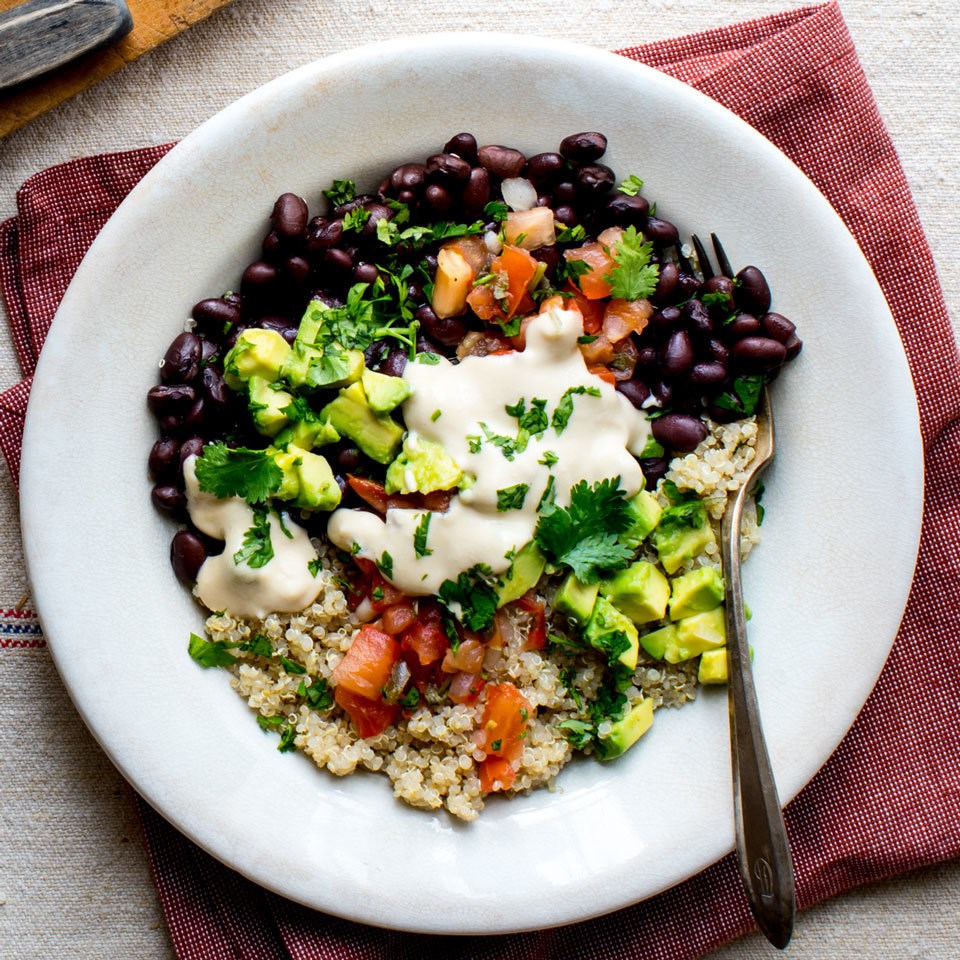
x=889 y=798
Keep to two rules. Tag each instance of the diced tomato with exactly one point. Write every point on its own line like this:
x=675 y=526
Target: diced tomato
x=380 y=591
x=370 y=717
x=377 y=497
x=466 y=687
x=469 y=657
x=397 y=618
x=426 y=637
x=625 y=360
x=496 y=774
x=592 y=283
x=519 y=268
x=591 y=310
x=366 y=667
x=484 y=304
x=537 y=637
x=604 y=373
x=623 y=317
x=600 y=350
x=369 y=491
x=505 y=718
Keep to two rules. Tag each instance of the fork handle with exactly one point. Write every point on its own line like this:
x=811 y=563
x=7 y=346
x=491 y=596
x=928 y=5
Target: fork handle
x=763 y=853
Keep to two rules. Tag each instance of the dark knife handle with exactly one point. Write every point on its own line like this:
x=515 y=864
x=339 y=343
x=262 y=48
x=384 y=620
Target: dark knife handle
x=41 y=35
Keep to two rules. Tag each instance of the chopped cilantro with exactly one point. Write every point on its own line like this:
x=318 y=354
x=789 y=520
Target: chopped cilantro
x=496 y=210
x=291 y=666
x=259 y=645
x=716 y=298
x=651 y=449
x=314 y=566
x=745 y=396
x=561 y=416
x=420 y=536
x=572 y=270
x=571 y=234
x=631 y=186
x=257 y=548
x=758 y=492
x=549 y=495
x=207 y=654
x=342 y=191
x=410 y=700
x=508 y=445
x=477 y=599
x=280 y=522
x=385 y=565
x=633 y=275
x=496 y=745
x=237 y=472
x=549 y=458
x=450 y=629
x=355 y=219
x=511 y=498
x=474 y=441
x=435 y=416
x=269 y=723
x=377 y=593
x=318 y=695
x=287 y=738
x=431 y=359
x=587 y=338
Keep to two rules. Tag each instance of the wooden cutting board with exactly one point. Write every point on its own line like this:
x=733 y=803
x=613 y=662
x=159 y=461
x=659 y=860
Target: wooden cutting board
x=153 y=22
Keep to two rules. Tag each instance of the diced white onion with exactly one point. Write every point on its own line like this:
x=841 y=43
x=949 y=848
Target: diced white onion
x=492 y=241
x=519 y=194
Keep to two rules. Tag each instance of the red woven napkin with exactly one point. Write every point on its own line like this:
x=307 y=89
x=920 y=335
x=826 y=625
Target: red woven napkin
x=889 y=798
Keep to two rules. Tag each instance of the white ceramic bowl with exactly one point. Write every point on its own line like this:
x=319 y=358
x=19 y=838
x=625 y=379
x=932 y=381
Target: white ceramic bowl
x=828 y=584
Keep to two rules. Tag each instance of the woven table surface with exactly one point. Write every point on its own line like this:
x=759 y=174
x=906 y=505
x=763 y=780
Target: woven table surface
x=73 y=877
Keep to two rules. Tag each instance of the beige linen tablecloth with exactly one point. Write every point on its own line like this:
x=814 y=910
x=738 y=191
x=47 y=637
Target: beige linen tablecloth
x=73 y=878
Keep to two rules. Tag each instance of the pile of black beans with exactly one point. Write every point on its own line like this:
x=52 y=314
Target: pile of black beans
x=689 y=355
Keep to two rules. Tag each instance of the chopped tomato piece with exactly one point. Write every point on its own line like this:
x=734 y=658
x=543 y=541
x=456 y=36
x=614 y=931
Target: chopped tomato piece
x=591 y=310
x=426 y=637
x=377 y=497
x=369 y=491
x=496 y=774
x=604 y=373
x=466 y=687
x=469 y=657
x=519 y=268
x=623 y=317
x=592 y=283
x=505 y=720
x=625 y=360
x=366 y=668
x=537 y=637
x=398 y=617
x=484 y=304
x=381 y=592
x=370 y=717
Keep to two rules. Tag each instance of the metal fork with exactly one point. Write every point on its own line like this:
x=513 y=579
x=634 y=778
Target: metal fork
x=763 y=853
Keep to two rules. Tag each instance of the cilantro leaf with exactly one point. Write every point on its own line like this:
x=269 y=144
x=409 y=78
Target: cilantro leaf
x=549 y=458
x=237 y=472
x=355 y=219
x=476 y=598
x=745 y=396
x=561 y=416
x=257 y=548
x=210 y=654
x=633 y=275
x=496 y=210
x=385 y=564
x=572 y=270
x=259 y=645
x=651 y=449
x=420 y=547
x=571 y=234
x=287 y=738
x=342 y=191
x=601 y=551
x=318 y=695
x=314 y=566
x=291 y=666
x=410 y=700
x=631 y=186
x=511 y=498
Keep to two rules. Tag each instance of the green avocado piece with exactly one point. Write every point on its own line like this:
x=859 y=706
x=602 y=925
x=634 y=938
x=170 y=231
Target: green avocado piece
x=626 y=731
x=695 y=592
x=641 y=592
x=319 y=489
x=657 y=641
x=288 y=463
x=377 y=435
x=384 y=393
x=713 y=666
x=307 y=433
x=266 y=403
x=697 y=634
x=682 y=533
x=329 y=367
x=257 y=353
x=576 y=599
x=422 y=467
x=311 y=322
x=524 y=573
x=613 y=634
x=644 y=512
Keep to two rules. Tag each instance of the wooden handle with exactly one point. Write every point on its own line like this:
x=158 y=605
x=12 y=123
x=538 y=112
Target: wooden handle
x=40 y=35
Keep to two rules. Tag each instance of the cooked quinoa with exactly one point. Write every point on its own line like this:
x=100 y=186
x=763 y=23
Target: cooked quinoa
x=431 y=754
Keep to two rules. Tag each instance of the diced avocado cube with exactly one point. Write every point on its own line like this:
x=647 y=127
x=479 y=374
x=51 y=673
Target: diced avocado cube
x=641 y=592
x=319 y=489
x=576 y=599
x=288 y=463
x=307 y=433
x=384 y=393
x=683 y=532
x=422 y=467
x=329 y=367
x=257 y=353
x=311 y=322
x=695 y=592
x=613 y=634
x=626 y=731
x=644 y=512
x=697 y=634
x=377 y=435
x=713 y=666
x=267 y=403
x=524 y=573
x=657 y=641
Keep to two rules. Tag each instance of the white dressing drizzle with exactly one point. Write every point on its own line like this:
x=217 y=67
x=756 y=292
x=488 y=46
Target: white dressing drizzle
x=282 y=585
x=601 y=440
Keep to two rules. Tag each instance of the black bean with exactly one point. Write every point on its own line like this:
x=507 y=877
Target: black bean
x=365 y=273
x=191 y=447
x=408 y=197
x=463 y=145
x=549 y=256
x=666 y=318
x=426 y=346
x=324 y=234
x=502 y=162
x=716 y=350
x=793 y=346
x=677 y=355
x=342 y=209
x=636 y=391
x=408 y=176
x=777 y=326
x=170 y=400
x=215 y=391
x=209 y=352
x=583 y=147
x=663 y=391
x=654 y=469
x=163 y=459
x=724 y=287
x=698 y=318
x=214 y=316
x=449 y=331
x=297 y=270
x=476 y=194
x=743 y=325
x=258 y=280
x=181 y=362
x=565 y=193
x=347 y=456
x=233 y=335
x=722 y=414
x=272 y=246
x=594 y=180
x=544 y=169
x=437 y=198
x=169 y=499
x=661 y=232
x=566 y=215
x=395 y=363
x=678 y=431
x=377 y=212
x=753 y=294
x=374 y=353
x=668 y=283
x=286 y=328
x=688 y=284
x=338 y=260
x=647 y=356
x=757 y=354
x=195 y=417
x=289 y=217
x=447 y=168
x=187 y=553
x=623 y=211
x=708 y=374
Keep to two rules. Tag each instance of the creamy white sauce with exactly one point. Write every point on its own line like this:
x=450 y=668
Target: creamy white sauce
x=282 y=585
x=602 y=439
